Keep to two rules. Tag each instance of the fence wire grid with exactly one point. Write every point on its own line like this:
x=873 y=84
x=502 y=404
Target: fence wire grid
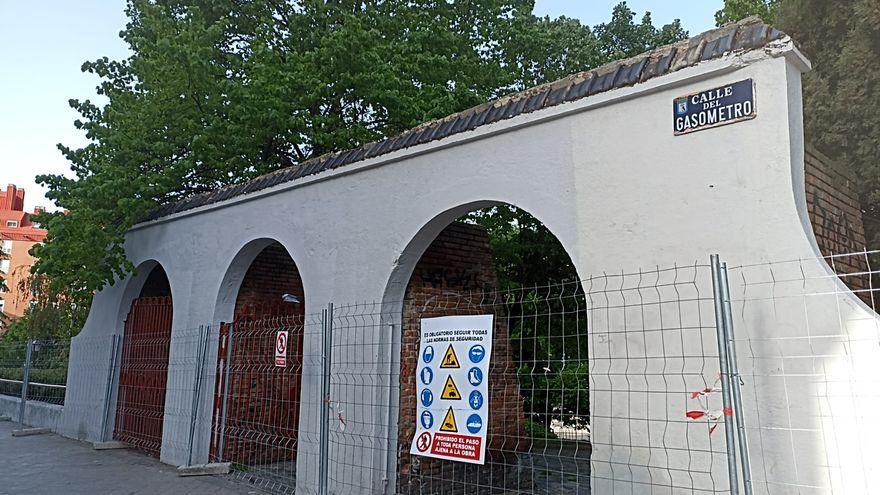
x=611 y=384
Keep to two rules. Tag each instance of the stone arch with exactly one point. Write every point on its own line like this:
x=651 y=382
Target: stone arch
x=138 y=282
x=146 y=314
x=449 y=269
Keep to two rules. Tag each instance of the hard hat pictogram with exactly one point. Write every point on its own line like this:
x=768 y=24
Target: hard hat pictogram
x=450 y=391
x=450 y=360
x=449 y=422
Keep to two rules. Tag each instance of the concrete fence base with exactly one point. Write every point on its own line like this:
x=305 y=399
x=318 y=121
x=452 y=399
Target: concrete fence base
x=37 y=414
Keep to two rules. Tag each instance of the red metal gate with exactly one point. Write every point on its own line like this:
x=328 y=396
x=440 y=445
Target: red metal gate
x=143 y=374
x=262 y=400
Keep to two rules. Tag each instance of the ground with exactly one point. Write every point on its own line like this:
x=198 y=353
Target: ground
x=53 y=464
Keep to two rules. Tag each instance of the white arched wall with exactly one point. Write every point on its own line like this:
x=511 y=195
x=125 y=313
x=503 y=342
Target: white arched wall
x=227 y=294
x=605 y=174
x=393 y=299
x=90 y=402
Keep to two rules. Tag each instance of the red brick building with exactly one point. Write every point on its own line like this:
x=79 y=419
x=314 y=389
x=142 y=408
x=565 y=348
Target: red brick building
x=18 y=233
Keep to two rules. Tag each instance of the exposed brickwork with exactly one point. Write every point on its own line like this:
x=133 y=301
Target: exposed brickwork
x=836 y=216
x=263 y=402
x=271 y=275
x=450 y=279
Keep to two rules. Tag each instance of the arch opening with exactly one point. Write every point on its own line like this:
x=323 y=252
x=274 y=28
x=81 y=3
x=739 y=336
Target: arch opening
x=257 y=395
x=499 y=260
x=143 y=370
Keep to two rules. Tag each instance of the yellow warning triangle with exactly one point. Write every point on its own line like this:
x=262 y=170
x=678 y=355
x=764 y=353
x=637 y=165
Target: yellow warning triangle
x=450 y=360
x=450 y=391
x=449 y=422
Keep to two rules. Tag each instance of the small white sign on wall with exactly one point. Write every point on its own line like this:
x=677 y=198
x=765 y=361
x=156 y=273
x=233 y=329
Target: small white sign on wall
x=281 y=348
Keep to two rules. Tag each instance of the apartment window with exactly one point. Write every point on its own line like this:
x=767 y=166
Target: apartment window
x=4 y=266
x=2 y=304
x=12 y=223
x=6 y=247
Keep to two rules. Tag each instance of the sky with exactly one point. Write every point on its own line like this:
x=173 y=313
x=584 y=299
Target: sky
x=45 y=43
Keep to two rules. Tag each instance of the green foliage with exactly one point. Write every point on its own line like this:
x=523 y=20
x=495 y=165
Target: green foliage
x=536 y=429
x=219 y=92
x=526 y=253
x=622 y=37
x=735 y=10
x=842 y=92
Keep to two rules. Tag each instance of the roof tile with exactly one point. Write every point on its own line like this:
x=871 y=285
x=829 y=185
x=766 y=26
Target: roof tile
x=748 y=34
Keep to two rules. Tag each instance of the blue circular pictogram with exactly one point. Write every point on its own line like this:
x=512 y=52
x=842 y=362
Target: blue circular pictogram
x=427 y=420
x=427 y=376
x=427 y=397
x=475 y=400
x=475 y=376
x=474 y=423
x=477 y=353
x=428 y=354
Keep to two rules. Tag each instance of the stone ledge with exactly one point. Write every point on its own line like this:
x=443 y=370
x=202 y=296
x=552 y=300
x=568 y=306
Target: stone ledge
x=204 y=469
x=112 y=444
x=26 y=432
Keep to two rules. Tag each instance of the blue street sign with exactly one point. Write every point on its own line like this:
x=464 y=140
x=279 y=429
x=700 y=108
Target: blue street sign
x=428 y=354
x=475 y=376
x=427 y=420
x=427 y=376
x=477 y=353
x=714 y=107
x=427 y=397
x=474 y=423
x=475 y=400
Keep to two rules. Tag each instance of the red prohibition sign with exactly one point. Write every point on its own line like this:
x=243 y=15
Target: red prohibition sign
x=423 y=442
x=281 y=343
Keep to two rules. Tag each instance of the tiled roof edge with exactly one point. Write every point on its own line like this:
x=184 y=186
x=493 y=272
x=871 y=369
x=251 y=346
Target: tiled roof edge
x=748 y=34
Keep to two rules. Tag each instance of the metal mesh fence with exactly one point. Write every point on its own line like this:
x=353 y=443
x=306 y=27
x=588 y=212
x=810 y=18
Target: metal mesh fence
x=615 y=378
x=12 y=364
x=807 y=351
x=612 y=384
x=256 y=405
x=44 y=366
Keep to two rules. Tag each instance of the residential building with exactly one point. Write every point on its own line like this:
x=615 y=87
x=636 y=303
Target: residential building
x=18 y=233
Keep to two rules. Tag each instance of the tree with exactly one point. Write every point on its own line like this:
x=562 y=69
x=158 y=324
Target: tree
x=842 y=92
x=842 y=40
x=217 y=92
x=735 y=10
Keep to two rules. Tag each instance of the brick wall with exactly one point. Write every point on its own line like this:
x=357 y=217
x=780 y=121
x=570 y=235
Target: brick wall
x=450 y=279
x=836 y=216
x=271 y=275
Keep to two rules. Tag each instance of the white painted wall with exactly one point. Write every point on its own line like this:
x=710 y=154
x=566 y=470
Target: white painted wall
x=604 y=174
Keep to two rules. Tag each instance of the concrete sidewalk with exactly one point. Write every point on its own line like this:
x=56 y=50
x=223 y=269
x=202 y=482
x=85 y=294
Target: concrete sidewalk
x=53 y=464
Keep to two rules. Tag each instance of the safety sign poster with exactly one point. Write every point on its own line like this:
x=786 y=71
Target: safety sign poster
x=452 y=386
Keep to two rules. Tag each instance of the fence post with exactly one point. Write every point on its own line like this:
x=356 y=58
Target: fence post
x=197 y=385
x=326 y=358
x=226 y=371
x=725 y=375
x=736 y=380
x=108 y=390
x=25 y=379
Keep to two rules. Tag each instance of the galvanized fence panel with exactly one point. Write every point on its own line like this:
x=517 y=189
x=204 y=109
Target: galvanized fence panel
x=807 y=338
x=12 y=364
x=33 y=371
x=615 y=379
x=258 y=401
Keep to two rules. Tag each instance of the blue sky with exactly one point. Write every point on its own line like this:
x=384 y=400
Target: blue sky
x=45 y=43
